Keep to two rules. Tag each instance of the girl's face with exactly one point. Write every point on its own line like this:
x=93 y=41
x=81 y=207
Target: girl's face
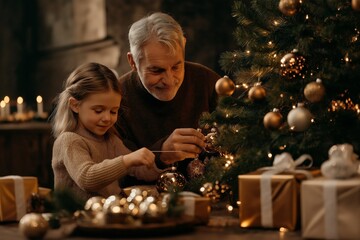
x=98 y=112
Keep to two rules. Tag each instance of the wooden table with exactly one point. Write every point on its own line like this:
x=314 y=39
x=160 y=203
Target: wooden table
x=219 y=228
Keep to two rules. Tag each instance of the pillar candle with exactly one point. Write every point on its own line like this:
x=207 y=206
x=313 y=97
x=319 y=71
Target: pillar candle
x=7 y=106
x=40 y=107
x=20 y=105
x=2 y=109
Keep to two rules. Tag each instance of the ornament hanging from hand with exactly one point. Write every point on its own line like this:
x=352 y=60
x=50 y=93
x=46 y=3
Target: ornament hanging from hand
x=170 y=181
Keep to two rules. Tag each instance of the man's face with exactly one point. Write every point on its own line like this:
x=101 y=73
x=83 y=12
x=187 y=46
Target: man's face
x=161 y=71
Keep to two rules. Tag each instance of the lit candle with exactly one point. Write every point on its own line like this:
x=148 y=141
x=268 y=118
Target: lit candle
x=7 y=105
x=40 y=107
x=20 y=105
x=2 y=111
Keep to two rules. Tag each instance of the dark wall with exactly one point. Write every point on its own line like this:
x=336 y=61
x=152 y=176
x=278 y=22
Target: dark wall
x=26 y=70
x=208 y=26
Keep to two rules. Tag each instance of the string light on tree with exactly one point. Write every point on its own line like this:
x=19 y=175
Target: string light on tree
x=314 y=91
x=299 y=118
x=292 y=65
x=225 y=86
x=257 y=92
x=273 y=120
x=289 y=7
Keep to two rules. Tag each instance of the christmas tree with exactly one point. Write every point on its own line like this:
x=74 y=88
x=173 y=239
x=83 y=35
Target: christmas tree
x=291 y=86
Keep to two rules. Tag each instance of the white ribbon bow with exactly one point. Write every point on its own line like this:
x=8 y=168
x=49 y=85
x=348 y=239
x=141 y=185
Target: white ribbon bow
x=342 y=163
x=282 y=163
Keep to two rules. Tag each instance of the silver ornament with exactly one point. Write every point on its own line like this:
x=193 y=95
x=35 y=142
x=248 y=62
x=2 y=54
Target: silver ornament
x=299 y=118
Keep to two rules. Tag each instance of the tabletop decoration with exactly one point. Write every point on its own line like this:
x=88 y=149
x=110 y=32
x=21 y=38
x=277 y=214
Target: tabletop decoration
x=19 y=111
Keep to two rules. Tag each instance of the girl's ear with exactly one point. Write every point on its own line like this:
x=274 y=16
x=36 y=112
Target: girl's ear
x=74 y=104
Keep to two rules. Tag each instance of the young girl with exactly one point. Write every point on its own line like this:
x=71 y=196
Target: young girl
x=88 y=158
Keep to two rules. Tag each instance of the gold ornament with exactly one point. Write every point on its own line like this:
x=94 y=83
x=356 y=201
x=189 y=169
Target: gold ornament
x=273 y=120
x=33 y=226
x=289 y=7
x=292 y=65
x=299 y=118
x=314 y=91
x=95 y=204
x=225 y=86
x=257 y=92
x=115 y=210
x=355 y=5
x=170 y=181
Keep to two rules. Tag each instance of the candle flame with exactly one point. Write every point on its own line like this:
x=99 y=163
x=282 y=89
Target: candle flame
x=20 y=100
x=6 y=99
x=2 y=104
x=39 y=99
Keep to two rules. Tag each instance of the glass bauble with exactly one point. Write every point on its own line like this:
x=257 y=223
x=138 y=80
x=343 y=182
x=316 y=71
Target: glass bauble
x=289 y=7
x=273 y=120
x=292 y=65
x=170 y=181
x=33 y=226
x=299 y=118
x=225 y=86
x=314 y=91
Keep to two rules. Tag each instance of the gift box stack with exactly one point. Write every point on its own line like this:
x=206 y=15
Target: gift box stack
x=330 y=205
x=269 y=197
x=15 y=194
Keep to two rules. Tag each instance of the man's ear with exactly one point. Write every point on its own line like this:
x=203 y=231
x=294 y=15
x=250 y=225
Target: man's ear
x=131 y=61
x=74 y=104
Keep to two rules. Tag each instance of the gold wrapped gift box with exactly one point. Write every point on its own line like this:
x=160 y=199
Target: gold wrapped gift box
x=196 y=207
x=285 y=201
x=15 y=194
x=330 y=209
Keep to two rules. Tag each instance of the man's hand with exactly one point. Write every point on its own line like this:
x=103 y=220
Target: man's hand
x=181 y=144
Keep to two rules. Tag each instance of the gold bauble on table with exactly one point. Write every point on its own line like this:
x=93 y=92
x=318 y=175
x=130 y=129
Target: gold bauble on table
x=257 y=92
x=289 y=7
x=355 y=4
x=115 y=210
x=33 y=226
x=314 y=91
x=95 y=204
x=225 y=86
x=292 y=65
x=273 y=120
x=299 y=118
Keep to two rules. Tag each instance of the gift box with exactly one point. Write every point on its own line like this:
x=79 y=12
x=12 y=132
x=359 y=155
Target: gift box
x=271 y=200
x=330 y=208
x=195 y=206
x=15 y=193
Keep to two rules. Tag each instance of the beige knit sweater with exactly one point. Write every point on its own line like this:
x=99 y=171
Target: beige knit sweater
x=92 y=167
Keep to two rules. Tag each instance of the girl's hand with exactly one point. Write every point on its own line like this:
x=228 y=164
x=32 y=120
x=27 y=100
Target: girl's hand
x=139 y=157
